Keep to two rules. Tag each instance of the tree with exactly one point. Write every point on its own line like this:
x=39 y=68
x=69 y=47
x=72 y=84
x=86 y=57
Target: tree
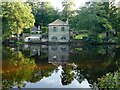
x=15 y=17
x=115 y=17
x=68 y=9
x=93 y=17
x=44 y=13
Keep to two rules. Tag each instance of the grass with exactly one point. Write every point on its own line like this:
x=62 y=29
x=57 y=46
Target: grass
x=80 y=36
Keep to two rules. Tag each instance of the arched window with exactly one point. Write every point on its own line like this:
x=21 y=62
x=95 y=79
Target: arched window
x=63 y=38
x=54 y=48
x=54 y=38
x=63 y=48
x=54 y=57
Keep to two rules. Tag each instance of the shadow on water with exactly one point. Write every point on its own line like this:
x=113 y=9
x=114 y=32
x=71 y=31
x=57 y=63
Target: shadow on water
x=57 y=66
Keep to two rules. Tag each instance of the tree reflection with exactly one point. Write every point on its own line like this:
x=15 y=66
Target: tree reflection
x=79 y=77
x=17 y=70
x=67 y=75
x=42 y=70
x=95 y=61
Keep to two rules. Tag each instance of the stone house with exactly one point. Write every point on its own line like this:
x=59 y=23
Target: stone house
x=58 y=31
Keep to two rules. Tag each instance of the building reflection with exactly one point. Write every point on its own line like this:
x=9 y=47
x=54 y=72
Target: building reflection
x=55 y=54
x=58 y=54
x=36 y=49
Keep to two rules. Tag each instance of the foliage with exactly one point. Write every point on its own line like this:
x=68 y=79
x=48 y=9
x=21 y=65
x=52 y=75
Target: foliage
x=15 y=72
x=27 y=30
x=67 y=76
x=88 y=18
x=97 y=18
x=110 y=80
x=114 y=17
x=68 y=10
x=18 y=69
x=15 y=17
x=44 y=13
x=80 y=36
x=93 y=39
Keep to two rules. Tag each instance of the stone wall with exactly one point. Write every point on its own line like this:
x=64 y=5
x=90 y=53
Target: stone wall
x=59 y=34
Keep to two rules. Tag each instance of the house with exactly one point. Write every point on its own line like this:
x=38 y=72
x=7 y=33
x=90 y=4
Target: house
x=35 y=30
x=58 y=31
x=35 y=35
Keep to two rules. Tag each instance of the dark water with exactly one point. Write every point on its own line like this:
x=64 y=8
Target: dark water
x=57 y=66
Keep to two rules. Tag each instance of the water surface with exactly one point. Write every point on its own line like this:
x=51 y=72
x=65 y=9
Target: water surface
x=57 y=66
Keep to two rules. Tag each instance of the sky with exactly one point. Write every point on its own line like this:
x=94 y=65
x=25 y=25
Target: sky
x=58 y=3
x=78 y=3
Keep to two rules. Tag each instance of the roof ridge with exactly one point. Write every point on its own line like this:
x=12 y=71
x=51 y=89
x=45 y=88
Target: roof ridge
x=58 y=22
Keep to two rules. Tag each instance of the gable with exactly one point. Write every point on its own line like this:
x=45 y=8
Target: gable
x=58 y=22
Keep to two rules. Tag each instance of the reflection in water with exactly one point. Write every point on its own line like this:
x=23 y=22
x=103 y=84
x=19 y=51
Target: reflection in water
x=57 y=66
x=58 y=54
x=16 y=70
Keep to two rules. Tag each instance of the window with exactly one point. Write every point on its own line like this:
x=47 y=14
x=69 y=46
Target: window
x=63 y=38
x=63 y=48
x=62 y=28
x=54 y=48
x=54 y=57
x=54 y=38
x=54 y=29
x=63 y=58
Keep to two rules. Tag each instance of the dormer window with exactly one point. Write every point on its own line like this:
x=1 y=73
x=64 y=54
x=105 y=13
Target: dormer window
x=62 y=28
x=54 y=29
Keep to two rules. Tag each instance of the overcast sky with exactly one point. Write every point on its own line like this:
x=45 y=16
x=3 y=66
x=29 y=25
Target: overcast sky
x=58 y=3
x=78 y=3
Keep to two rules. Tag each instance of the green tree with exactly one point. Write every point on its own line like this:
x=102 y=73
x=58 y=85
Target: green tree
x=94 y=18
x=115 y=17
x=110 y=80
x=68 y=9
x=15 y=17
x=44 y=13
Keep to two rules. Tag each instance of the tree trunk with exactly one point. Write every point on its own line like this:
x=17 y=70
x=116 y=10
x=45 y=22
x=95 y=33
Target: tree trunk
x=107 y=35
x=116 y=33
x=17 y=31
